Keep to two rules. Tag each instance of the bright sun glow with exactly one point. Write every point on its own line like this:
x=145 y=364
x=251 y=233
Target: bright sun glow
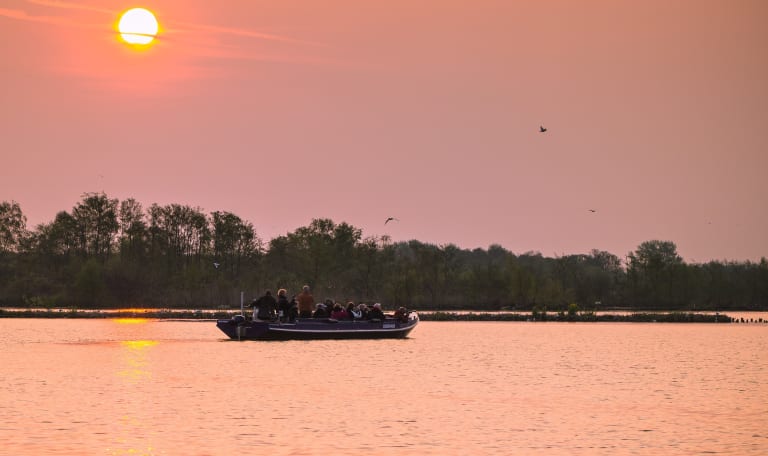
x=138 y=26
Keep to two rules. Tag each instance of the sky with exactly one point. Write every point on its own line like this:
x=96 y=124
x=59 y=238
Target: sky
x=428 y=111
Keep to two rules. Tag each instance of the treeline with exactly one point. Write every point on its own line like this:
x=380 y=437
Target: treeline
x=106 y=253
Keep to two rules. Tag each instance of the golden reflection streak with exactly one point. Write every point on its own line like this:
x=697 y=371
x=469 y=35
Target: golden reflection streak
x=132 y=436
x=136 y=359
x=130 y=321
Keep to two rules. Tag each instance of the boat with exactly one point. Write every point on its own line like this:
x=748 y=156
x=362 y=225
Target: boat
x=240 y=328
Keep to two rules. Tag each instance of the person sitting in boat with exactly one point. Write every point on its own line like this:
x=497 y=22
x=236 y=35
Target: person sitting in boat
x=293 y=310
x=320 y=311
x=401 y=314
x=283 y=305
x=338 y=312
x=306 y=302
x=265 y=307
x=353 y=313
x=376 y=313
x=364 y=313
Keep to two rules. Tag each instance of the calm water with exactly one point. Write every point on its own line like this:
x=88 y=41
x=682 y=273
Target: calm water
x=112 y=387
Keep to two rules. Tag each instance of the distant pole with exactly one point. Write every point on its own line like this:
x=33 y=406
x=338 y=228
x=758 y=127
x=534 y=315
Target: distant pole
x=242 y=293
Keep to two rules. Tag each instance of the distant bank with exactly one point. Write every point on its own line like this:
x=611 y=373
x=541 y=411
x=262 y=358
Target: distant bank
x=173 y=314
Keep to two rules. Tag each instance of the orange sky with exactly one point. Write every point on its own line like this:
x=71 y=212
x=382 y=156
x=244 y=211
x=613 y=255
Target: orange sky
x=427 y=111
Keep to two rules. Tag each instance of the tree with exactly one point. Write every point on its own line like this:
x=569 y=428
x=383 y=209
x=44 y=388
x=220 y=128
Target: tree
x=133 y=228
x=13 y=226
x=96 y=220
x=233 y=240
x=59 y=237
x=178 y=232
x=652 y=269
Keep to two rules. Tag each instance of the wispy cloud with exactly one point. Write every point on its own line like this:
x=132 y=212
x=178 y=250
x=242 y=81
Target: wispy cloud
x=68 y=5
x=185 y=27
x=187 y=48
x=24 y=16
x=179 y=27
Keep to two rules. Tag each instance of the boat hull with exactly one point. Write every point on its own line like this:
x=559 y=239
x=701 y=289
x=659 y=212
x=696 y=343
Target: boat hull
x=320 y=328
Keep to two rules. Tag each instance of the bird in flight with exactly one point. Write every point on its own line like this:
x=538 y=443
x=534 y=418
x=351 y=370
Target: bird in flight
x=389 y=219
x=216 y=265
x=591 y=210
x=542 y=129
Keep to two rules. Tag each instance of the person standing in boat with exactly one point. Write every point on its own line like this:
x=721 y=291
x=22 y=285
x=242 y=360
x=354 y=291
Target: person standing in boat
x=306 y=303
x=283 y=305
x=266 y=305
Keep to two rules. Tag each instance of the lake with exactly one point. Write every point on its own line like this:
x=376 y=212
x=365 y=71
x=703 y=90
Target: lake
x=142 y=387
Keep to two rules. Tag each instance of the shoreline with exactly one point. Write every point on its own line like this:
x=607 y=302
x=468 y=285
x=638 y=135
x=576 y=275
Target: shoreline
x=209 y=315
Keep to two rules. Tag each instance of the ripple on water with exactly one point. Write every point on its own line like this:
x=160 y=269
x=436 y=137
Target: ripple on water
x=491 y=388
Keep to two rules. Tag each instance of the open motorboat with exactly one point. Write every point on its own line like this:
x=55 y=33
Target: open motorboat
x=240 y=328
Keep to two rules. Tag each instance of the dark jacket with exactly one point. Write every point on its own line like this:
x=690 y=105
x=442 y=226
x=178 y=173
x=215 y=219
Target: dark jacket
x=320 y=313
x=375 y=313
x=283 y=304
x=267 y=306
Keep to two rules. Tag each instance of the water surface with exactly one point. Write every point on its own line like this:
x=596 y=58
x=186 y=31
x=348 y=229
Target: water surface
x=120 y=387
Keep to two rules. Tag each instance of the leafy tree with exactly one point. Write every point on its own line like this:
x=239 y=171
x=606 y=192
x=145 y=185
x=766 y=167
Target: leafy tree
x=13 y=226
x=178 y=232
x=133 y=229
x=652 y=269
x=233 y=240
x=96 y=220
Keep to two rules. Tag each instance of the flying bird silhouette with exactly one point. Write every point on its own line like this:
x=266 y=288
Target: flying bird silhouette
x=591 y=210
x=216 y=265
x=542 y=129
x=389 y=219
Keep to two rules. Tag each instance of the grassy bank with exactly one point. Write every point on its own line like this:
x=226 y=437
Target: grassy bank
x=167 y=314
x=133 y=313
x=639 y=317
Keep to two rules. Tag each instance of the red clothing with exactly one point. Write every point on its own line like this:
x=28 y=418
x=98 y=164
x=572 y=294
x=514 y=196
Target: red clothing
x=306 y=302
x=339 y=314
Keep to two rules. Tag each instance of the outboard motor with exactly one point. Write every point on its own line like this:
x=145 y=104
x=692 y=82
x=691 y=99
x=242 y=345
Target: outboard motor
x=237 y=319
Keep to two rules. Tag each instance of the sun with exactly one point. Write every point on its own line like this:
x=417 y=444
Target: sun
x=138 y=26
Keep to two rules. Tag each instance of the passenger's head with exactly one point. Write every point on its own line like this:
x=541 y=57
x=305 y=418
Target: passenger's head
x=377 y=306
x=305 y=288
x=350 y=305
x=268 y=293
x=282 y=292
x=337 y=306
x=362 y=306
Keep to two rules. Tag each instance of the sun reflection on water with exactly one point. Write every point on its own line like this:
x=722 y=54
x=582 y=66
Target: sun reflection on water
x=133 y=435
x=136 y=359
x=130 y=321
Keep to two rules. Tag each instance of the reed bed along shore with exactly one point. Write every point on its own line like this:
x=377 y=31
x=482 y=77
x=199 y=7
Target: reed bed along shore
x=175 y=314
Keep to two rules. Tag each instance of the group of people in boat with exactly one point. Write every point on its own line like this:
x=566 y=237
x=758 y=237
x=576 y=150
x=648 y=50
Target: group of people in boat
x=303 y=305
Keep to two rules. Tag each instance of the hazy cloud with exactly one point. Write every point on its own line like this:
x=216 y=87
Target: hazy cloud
x=24 y=16
x=176 y=27
x=67 y=5
x=188 y=27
